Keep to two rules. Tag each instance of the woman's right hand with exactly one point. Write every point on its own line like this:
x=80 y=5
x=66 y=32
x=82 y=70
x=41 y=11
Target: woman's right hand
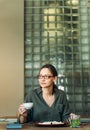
x=22 y=109
x=22 y=114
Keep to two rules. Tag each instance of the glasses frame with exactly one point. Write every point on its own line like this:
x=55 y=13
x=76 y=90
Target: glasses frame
x=44 y=76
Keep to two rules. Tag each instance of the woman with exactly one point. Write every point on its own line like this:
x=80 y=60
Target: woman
x=50 y=103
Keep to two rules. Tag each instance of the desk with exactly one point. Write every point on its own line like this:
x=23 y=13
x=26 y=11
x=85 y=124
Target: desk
x=84 y=126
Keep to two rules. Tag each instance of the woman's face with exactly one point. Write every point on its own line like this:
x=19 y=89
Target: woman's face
x=46 y=78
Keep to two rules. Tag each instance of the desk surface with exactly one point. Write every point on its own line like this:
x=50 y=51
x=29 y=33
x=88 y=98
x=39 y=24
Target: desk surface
x=84 y=126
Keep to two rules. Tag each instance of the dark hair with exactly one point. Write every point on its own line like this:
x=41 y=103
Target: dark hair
x=51 y=68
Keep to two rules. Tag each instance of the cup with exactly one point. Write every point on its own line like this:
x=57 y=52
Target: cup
x=75 y=121
x=28 y=105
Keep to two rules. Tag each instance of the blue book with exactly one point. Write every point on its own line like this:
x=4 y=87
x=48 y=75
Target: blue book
x=13 y=125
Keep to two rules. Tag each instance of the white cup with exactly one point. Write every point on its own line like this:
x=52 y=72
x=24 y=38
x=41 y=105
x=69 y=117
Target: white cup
x=28 y=105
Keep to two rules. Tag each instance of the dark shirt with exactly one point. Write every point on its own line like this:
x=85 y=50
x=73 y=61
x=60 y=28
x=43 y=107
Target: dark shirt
x=41 y=111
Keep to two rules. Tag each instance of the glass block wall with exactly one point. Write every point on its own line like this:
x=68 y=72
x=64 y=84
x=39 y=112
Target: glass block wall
x=58 y=32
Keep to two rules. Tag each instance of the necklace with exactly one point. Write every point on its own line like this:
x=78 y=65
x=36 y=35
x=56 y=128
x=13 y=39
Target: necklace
x=50 y=97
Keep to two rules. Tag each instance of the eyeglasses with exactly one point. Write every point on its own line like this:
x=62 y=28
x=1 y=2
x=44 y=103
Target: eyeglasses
x=44 y=76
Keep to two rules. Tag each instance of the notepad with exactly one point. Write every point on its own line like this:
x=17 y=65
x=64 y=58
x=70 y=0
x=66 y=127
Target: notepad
x=9 y=120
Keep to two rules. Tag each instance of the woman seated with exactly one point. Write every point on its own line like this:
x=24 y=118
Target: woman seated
x=50 y=103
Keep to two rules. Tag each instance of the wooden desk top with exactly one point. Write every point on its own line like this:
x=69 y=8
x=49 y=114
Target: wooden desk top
x=84 y=126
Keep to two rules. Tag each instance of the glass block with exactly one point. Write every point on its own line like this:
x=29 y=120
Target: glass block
x=28 y=81
x=79 y=106
x=36 y=72
x=28 y=65
x=28 y=73
x=36 y=50
x=84 y=33
x=84 y=40
x=36 y=57
x=84 y=25
x=36 y=65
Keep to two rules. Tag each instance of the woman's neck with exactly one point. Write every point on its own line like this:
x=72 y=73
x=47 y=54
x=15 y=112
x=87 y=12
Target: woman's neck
x=47 y=91
x=48 y=95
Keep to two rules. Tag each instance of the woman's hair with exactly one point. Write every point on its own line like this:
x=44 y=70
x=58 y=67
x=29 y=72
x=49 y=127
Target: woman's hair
x=51 y=68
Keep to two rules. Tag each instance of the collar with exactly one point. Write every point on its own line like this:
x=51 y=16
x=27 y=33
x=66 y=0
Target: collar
x=56 y=90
